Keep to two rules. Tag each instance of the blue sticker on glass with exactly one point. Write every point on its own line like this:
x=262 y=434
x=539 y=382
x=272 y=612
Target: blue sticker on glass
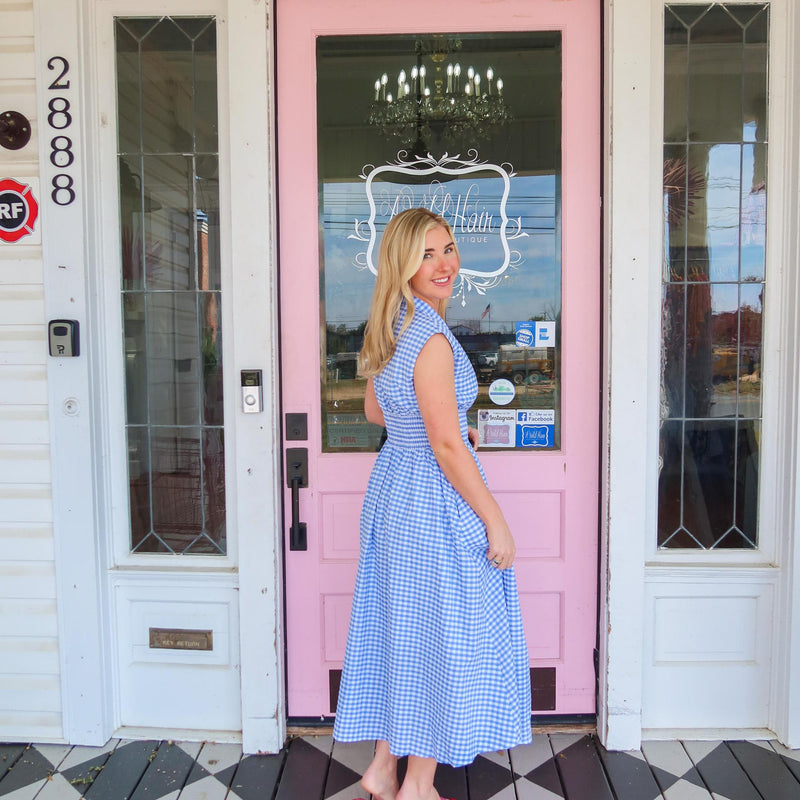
x=536 y=428
x=526 y=334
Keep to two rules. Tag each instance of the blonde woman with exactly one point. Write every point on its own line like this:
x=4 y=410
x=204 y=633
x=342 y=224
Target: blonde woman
x=436 y=666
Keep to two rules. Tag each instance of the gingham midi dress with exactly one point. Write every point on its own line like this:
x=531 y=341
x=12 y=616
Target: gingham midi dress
x=436 y=662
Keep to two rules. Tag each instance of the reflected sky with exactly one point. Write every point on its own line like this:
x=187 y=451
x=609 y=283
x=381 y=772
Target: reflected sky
x=530 y=281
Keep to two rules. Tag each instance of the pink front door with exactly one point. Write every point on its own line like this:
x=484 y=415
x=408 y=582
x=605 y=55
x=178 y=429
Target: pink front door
x=493 y=121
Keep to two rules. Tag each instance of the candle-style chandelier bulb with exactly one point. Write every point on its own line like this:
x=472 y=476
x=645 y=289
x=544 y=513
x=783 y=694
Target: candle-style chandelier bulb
x=431 y=107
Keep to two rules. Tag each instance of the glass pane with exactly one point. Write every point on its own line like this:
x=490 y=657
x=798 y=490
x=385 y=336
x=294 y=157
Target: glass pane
x=132 y=206
x=135 y=323
x=673 y=350
x=709 y=479
x=177 y=486
x=171 y=282
x=207 y=199
x=749 y=436
x=754 y=102
x=758 y=29
x=689 y=14
x=169 y=225
x=715 y=78
x=129 y=127
x=713 y=220
x=669 y=481
x=212 y=539
x=751 y=327
x=699 y=352
x=754 y=212
x=211 y=351
x=680 y=192
x=502 y=199
x=139 y=472
x=205 y=69
x=167 y=89
x=676 y=80
x=173 y=358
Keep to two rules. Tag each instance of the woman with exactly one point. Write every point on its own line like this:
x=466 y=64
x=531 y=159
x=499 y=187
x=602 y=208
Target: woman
x=436 y=665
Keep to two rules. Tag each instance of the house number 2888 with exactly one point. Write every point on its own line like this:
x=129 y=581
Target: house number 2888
x=59 y=119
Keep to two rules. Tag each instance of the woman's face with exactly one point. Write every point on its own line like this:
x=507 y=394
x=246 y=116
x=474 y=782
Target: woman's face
x=434 y=279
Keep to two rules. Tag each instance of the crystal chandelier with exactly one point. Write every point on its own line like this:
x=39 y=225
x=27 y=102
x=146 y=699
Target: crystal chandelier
x=454 y=104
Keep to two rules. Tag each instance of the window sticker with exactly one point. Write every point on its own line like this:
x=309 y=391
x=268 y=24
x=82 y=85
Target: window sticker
x=497 y=427
x=545 y=334
x=501 y=392
x=535 y=428
x=526 y=334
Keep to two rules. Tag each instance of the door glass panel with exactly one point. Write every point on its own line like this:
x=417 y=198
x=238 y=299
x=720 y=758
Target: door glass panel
x=468 y=126
x=171 y=298
x=715 y=181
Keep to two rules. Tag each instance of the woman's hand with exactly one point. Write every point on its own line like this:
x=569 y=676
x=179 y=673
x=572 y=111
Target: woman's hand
x=502 y=549
x=474 y=438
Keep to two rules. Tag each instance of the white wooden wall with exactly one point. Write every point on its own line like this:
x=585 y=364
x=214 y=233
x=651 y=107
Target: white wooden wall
x=30 y=694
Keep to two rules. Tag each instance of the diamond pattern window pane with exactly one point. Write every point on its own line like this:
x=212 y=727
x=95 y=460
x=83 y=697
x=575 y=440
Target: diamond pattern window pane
x=171 y=283
x=715 y=155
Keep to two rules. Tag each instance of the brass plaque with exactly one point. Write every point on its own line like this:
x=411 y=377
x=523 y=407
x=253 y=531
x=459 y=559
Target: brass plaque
x=179 y=639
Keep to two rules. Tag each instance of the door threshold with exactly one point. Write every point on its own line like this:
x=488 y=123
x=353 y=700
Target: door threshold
x=579 y=725
x=137 y=733
x=707 y=734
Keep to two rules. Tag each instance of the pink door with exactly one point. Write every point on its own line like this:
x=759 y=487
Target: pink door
x=491 y=117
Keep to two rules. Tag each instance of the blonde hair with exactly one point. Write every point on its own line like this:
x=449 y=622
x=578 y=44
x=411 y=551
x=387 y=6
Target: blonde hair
x=400 y=256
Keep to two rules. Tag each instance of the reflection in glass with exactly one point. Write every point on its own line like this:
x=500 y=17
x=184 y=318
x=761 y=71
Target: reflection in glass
x=714 y=265
x=171 y=277
x=508 y=278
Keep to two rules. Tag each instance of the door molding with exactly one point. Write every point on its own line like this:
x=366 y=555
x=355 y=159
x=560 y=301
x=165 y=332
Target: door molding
x=69 y=246
x=633 y=233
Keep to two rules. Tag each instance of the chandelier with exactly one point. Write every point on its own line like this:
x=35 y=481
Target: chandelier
x=456 y=105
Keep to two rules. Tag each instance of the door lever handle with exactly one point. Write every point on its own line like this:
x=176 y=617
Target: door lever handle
x=297 y=477
x=298 y=539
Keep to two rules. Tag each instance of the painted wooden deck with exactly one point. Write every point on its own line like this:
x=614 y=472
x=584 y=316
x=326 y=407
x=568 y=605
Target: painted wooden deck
x=566 y=766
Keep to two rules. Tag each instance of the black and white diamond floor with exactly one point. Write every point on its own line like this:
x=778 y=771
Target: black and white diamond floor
x=565 y=766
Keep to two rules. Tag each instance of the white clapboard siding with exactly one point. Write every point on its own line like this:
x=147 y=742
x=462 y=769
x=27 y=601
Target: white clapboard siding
x=19 y=95
x=27 y=424
x=22 y=344
x=30 y=681
x=20 y=264
x=20 y=305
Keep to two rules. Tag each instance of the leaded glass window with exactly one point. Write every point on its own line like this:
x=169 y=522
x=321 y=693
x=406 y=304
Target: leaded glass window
x=714 y=200
x=171 y=298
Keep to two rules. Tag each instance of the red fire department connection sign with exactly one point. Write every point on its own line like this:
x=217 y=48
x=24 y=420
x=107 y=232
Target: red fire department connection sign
x=18 y=210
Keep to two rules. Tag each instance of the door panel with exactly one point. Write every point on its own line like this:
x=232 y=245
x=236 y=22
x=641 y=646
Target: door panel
x=540 y=452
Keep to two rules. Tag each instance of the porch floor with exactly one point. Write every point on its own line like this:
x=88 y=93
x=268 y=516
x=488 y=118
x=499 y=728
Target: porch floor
x=567 y=766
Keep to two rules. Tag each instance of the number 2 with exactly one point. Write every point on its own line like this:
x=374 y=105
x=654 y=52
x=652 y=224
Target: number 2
x=56 y=84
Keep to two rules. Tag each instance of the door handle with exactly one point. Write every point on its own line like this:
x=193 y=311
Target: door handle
x=297 y=478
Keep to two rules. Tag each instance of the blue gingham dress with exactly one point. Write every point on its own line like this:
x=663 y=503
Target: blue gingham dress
x=436 y=662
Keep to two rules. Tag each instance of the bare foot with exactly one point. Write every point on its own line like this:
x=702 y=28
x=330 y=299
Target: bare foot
x=381 y=783
x=407 y=793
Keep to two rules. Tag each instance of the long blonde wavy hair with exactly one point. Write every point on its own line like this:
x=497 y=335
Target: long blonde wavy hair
x=400 y=256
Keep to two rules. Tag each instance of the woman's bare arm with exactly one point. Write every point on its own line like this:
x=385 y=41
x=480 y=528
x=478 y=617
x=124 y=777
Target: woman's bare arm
x=434 y=385
x=371 y=408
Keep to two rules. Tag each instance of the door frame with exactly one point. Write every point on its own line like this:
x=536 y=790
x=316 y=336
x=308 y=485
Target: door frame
x=300 y=250
x=82 y=441
x=632 y=335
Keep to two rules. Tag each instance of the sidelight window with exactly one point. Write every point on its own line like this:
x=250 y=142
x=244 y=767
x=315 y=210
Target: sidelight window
x=714 y=202
x=171 y=298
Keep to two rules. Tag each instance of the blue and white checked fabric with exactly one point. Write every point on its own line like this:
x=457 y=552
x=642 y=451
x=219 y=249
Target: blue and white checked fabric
x=436 y=662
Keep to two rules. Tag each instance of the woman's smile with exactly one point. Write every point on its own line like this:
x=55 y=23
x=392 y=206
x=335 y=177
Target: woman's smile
x=433 y=281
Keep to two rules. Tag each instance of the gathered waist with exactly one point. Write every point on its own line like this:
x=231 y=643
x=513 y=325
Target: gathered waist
x=409 y=432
